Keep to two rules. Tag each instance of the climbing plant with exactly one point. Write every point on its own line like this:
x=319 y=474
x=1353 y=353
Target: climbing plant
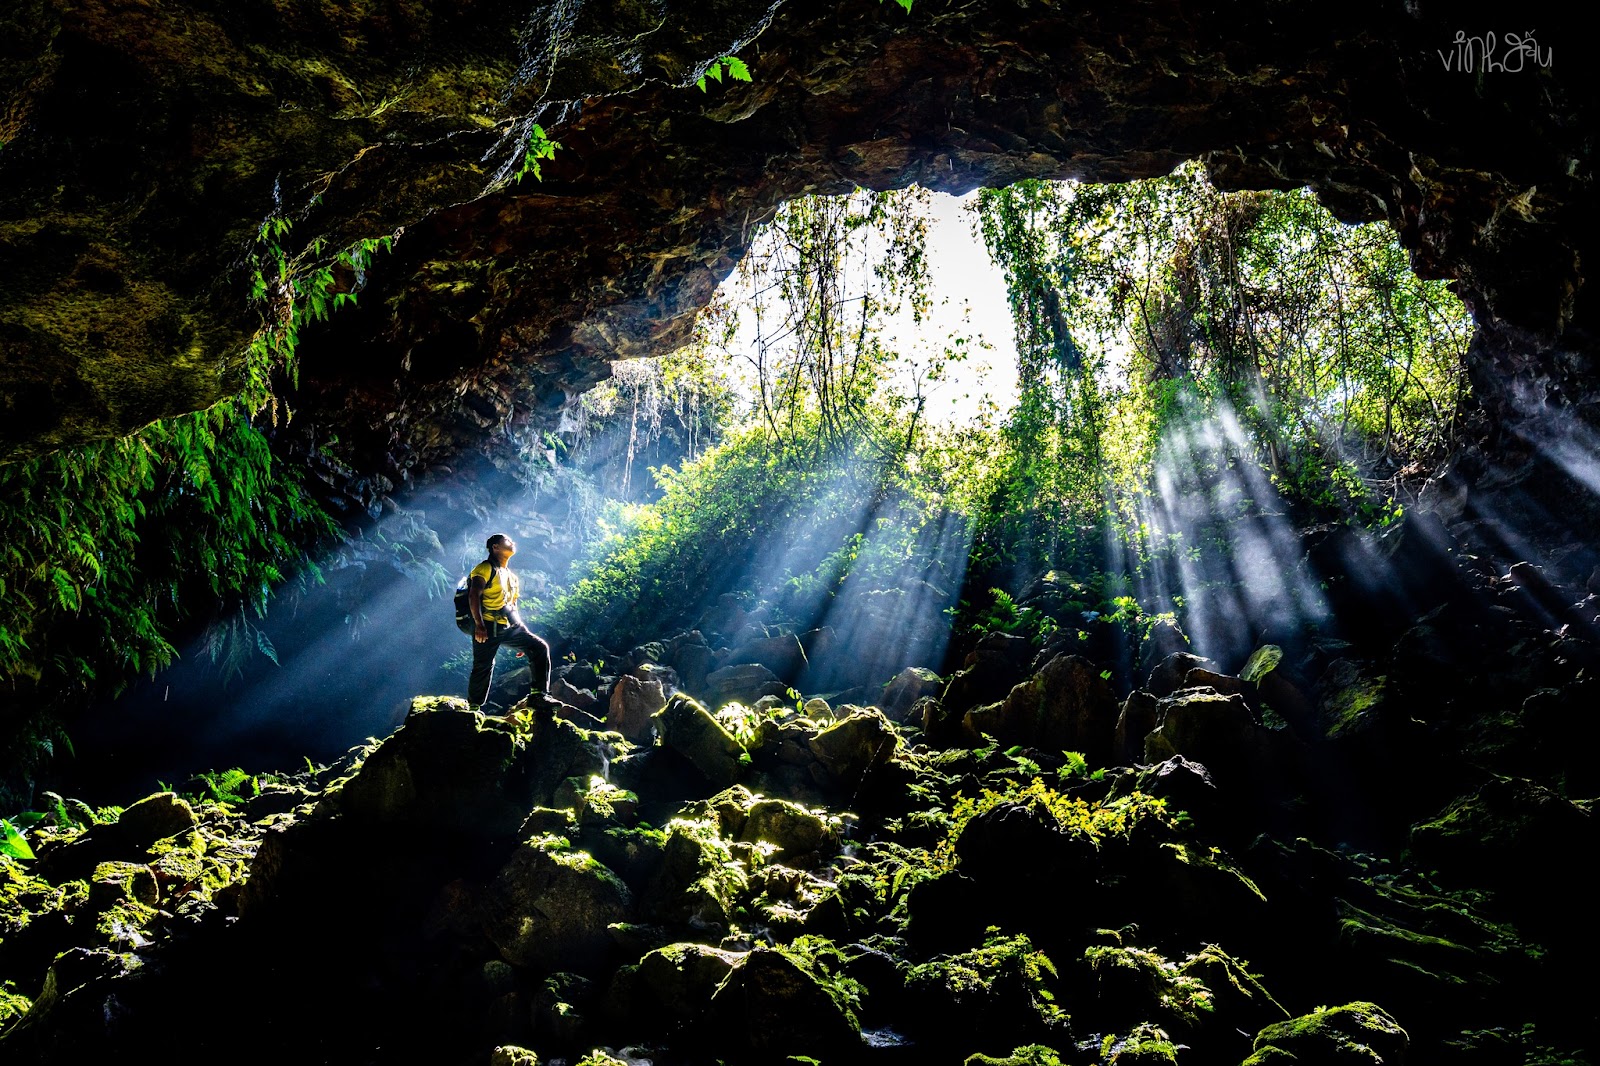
x=807 y=313
x=109 y=546
x=1159 y=301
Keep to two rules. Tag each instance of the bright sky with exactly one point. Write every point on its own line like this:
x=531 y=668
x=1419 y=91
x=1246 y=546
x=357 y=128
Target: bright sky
x=969 y=298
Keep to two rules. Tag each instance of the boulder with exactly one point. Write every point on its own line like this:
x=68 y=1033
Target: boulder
x=1168 y=675
x=670 y=986
x=853 y=747
x=1017 y=843
x=692 y=659
x=1207 y=727
x=698 y=882
x=1165 y=639
x=909 y=685
x=549 y=906
x=817 y=709
x=773 y=1005
x=1140 y=714
x=653 y=652
x=1004 y=987
x=1227 y=684
x=1007 y=645
x=1067 y=706
x=559 y=1007
x=782 y=654
x=689 y=729
x=449 y=767
x=742 y=683
x=633 y=704
x=1524 y=839
x=795 y=830
x=581 y=698
x=1184 y=785
x=116 y=882
x=153 y=818
x=1356 y=1034
x=987 y=680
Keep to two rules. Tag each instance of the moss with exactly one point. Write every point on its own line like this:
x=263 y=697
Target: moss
x=1145 y=982
x=1146 y=1045
x=13 y=1004
x=1350 y=696
x=1355 y=1032
x=1005 y=983
x=1432 y=956
x=819 y=957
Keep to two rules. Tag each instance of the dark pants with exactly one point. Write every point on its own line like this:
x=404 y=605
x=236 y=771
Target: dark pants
x=514 y=635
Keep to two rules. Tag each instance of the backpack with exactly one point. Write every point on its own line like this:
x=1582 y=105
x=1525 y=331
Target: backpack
x=463 y=612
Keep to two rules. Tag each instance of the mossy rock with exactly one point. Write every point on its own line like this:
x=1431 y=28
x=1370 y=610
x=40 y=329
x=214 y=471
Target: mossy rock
x=854 y=746
x=789 y=826
x=1353 y=701
x=697 y=882
x=118 y=882
x=451 y=768
x=772 y=1004
x=1066 y=706
x=1239 y=997
x=550 y=907
x=1356 y=1034
x=152 y=819
x=670 y=988
x=689 y=729
x=1005 y=986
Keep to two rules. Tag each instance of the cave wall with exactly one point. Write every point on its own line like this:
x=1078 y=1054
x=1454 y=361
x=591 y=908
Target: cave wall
x=144 y=143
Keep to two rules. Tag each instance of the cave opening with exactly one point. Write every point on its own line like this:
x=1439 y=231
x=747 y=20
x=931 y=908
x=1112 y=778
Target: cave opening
x=871 y=735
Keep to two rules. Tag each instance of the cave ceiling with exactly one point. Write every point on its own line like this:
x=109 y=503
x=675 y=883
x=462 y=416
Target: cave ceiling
x=143 y=144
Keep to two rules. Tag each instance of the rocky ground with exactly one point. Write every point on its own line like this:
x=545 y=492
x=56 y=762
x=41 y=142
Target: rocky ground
x=1354 y=850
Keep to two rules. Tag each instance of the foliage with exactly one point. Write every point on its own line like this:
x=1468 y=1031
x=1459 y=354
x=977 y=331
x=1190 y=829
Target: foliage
x=681 y=399
x=732 y=65
x=820 y=958
x=232 y=787
x=1091 y=821
x=111 y=545
x=538 y=149
x=1335 y=357
x=979 y=981
x=12 y=842
x=766 y=513
x=808 y=308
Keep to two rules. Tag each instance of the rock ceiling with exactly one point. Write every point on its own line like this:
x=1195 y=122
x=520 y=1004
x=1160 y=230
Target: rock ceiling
x=145 y=142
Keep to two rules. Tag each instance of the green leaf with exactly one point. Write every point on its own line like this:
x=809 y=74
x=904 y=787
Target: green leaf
x=737 y=70
x=12 y=842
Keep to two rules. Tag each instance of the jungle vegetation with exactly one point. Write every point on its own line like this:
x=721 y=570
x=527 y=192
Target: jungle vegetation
x=1141 y=311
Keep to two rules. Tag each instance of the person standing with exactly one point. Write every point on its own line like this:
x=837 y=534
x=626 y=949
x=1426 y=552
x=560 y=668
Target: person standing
x=492 y=591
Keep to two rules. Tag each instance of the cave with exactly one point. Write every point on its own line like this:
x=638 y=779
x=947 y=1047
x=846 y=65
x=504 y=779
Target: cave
x=490 y=204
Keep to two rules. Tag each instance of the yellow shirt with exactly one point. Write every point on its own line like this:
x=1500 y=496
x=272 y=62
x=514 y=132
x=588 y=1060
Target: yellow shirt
x=500 y=591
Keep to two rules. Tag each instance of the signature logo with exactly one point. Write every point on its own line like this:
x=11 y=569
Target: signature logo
x=1495 y=55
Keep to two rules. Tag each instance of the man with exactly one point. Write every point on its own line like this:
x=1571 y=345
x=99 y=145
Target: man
x=492 y=591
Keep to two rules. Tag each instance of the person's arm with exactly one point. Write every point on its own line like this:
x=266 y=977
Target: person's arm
x=480 y=632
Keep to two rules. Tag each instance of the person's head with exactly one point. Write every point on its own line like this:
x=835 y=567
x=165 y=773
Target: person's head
x=501 y=547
